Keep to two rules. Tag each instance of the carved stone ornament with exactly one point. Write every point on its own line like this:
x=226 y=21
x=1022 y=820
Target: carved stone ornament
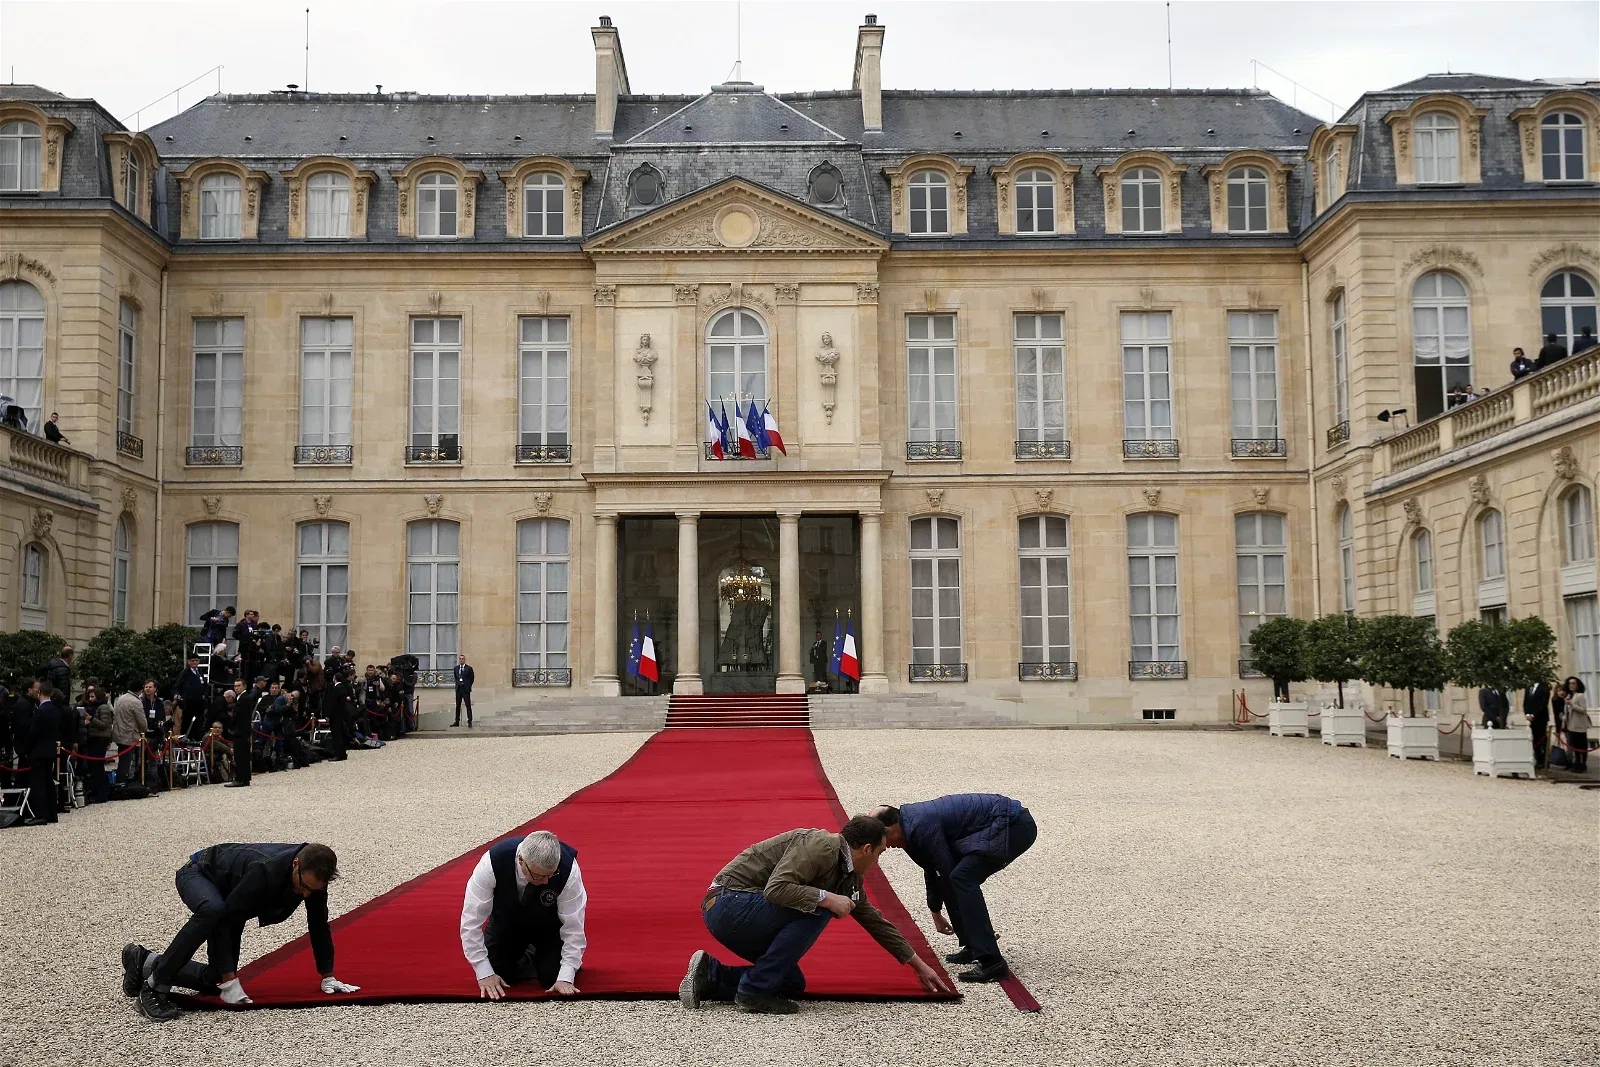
x=866 y=293
x=1260 y=493
x=1479 y=487
x=541 y=503
x=1443 y=255
x=1041 y=299
x=217 y=302
x=42 y=519
x=326 y=303
x=935 y=499
x=1564 y=254
x=323 y=504
x=1152 y=496
x=130 y=500
x=735 y=294
x=12 y=264
x=645 y=358
x=930 y=297
x=1255 y=298
x=1044 y=497
x=1147 y=296
x=828 y=357
x=436 y=301
x=1413 y=511
x=433 y=501
x=1339 y=485
x=542 y=300
x=686 y=294
x=213 y=504
x=1566 y=463
x=786 y=294
x=605 y=296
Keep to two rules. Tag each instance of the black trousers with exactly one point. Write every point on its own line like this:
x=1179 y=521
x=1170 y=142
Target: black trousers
x=963 y=889
x=463 y=696
x=1541 y=739
x=241 y=759
x=42 y=788
x=522 y=954
x=207 y=925
x=1577 y=758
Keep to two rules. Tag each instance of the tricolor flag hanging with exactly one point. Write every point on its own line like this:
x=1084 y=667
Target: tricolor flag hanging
x=747 y=444
x=849 y=662
x=633 y=650
x=758 y=429
x=647 y=654
x=730 y=440
x=769 y=430
x=713 y=432
x=838 y=646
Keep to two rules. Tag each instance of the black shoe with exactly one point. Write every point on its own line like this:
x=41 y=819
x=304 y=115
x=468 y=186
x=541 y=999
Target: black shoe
x=154 y=1005
x=696 y=981
x=133 y=957
x=986 y=972
x=964 y=956
x=36 y=822
x=237 y=785
x=456 y=723
x=770 y=1004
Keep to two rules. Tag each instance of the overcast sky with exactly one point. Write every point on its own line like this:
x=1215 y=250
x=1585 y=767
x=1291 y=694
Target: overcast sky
x=128 y=54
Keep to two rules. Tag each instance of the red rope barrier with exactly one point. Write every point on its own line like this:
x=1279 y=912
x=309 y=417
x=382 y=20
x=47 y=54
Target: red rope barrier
x=1370 y=718
x=1562 y=741
x=102 y=759
x=1459 y=724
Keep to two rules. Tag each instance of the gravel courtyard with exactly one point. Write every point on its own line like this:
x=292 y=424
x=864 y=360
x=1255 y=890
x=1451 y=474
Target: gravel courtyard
x=1194 y=898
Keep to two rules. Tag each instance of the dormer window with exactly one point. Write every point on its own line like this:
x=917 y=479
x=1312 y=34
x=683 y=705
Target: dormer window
x=130 y=181
x=1141 y=201
x=1438 y=138
x=644 y=186
x=1330 y=177
x=1561 y=144
x=328 y=205
x=436 y=205
x=929 y=201
x=826 y=185
x=1247 y=200
x=221 y=215
x=544 y=205
x=19 y=157
x=1036 y=201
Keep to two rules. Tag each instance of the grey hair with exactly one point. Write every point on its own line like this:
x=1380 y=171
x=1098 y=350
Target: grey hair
x=540 y=850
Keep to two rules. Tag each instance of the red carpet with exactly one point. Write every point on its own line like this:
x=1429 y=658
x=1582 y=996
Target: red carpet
x=650 y=837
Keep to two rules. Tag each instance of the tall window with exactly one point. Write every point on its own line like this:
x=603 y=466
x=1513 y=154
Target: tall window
x=1341 y=362
x=1330 y=178
x=737 y=340
x=433 y=592
x=127 y=341
x=19 y=157
x=931 y=378
x=221 y=210
x=213 y=565
x=1422 y=551
x=1583 y=621
x=1347 y=561
x=328 y=205
x=1153 y=616
x=436 y=205
x=121 y=567
x=1561 y=145
x=935 y=590
x=1044 y=545
x=542 y=609
x=218 y=382
x=1441 y=340
x=35 y=594
x=326 y=358
x=544 y=206
x=22 y=349
x=1247 y=200
x=1261 y=550
x=436 y=384
x=1492 y=539
x=1040 y=360
x=1253 y=374
x=322 y=603
x=1141 y=201
x=543 y=418
x=928 y=195
x=1438 y=148
x=1577 y=521
x=1147 y=375
x=1566 y=306
x=131 y=179
x=1036 y=202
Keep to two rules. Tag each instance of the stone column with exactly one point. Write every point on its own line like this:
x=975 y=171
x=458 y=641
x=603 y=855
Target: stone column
x=688 y=679
x=605 y=682
x=790 y=680
x=869 y=643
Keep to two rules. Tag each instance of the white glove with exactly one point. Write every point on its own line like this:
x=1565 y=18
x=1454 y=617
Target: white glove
x=233 y=993
x=331 y=984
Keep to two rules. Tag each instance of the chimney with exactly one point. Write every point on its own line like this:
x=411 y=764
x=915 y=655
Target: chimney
x=610 y=76
x=869 y=73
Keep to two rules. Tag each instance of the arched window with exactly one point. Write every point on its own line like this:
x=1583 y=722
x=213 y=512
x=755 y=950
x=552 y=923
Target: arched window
x=1441 y=340
x=1422 y=553
x=436 y=205
x=1492 y=540
x=213 y=566
x=433 y=593
x=1561 y=137
x=1577 y=522
x=1347 y=561
x=328 y=205
x=1247 y=200
x=221 y=207
x=935 y=590
x=928 y=194
x=1341 y=366
x=19 y=157
x=544 y=211
x=1141 y=201
x=127 y=351
x=22 y=350
x=542 y=584
x=1567 y=309
x=1261 y=566
x=1036 y=202
x=35 y=590
x=121 y=568
x=1044 y=545
x=1153 y=613
x=322 y=600
x=1438 y=148
x=737 y=340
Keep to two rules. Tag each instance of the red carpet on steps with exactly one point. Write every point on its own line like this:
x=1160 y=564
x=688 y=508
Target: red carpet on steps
x=650 y=837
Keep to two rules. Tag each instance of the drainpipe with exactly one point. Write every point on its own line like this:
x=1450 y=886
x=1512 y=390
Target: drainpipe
x=161 y=447
x=1311 y=443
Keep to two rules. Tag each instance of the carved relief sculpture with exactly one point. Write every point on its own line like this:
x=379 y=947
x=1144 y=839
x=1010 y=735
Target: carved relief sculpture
x=541 y=503
x=1479 y=487
x=323 y=504
x=1566 y=464
x=828 y=357
x=42 y=519
x=1261 y=493
x=645 y=357
x=130 y=500
x=1044 y=497
x=1413 y=511
x=433 y=502
x=1152 y=496
x=213 y=504
x=935 y=499
x=1338 y=484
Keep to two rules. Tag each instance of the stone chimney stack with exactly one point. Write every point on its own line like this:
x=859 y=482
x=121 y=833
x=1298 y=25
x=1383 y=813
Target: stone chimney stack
x=869 y=73
x=610 y=76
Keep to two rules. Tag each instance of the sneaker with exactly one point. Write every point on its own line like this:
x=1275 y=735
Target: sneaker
x=964 y=956
x=154 y=1005
x=696 y=981
x=769 y=1004
x=133 y=957
x=993 y=971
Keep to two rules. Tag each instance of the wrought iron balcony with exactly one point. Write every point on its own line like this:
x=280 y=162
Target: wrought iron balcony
x=450 y=453
x=436 y=679
x=130 y=445
x=1047 y=672
x=1260 y=448
x=1141 y=670
x=736 y=456
x=1143 y=449
x=1338 y=434
x=938 y=672
x=324 y=455
x=213 y=456
x=544 y=453
x=933 y=450
x=1044 y=449
x=556 y=676
x=1247 y=671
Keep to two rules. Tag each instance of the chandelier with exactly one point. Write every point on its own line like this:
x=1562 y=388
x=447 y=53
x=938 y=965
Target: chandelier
x=742 y=584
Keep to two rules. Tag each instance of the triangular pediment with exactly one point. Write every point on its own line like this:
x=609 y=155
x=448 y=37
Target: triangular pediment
x=734 y=215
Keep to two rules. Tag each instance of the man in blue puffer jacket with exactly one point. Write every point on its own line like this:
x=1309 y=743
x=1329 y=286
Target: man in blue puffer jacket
x=959 y=841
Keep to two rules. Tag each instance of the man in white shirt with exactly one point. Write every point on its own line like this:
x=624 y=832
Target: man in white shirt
x=522 y=915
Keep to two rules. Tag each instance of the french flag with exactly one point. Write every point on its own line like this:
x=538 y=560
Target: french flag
x=713 y=432
x=849 y=662
x=770 y=430
x=647 y=653
x=747 y=444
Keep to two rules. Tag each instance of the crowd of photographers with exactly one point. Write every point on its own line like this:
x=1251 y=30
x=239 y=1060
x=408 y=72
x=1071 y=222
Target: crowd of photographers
x=249 y=699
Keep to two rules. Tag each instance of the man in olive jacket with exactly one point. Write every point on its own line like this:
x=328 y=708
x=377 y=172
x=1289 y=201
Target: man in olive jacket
x=771 y=904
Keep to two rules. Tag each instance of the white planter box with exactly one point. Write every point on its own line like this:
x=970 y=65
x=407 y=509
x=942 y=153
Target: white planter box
x=1288 y=719
x=1414 y=737
x=1504 y=753
x=1346 y=725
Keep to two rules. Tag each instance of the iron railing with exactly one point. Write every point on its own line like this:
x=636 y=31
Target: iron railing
x=544 y=453
x=433 y=453
x=130 y=445
x=1260 y=448
x=324 y=455
x=213 y=456
x=1141 y=670
x=1044 y=449
x=1144 y=449
x=436 y=679
x=937 y=672
x=1047 y=672
x=557 y=676
x=760 y=454
x=933 y=450
x=1338 y=434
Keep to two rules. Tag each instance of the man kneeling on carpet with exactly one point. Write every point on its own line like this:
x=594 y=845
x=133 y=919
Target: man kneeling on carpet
x=771 y=904
x=225 y=886
x=522 y=917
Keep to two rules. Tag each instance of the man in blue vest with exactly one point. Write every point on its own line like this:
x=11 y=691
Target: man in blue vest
x=522 y=916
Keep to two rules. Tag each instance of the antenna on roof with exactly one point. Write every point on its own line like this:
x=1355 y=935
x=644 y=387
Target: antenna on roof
x=1169 y=44
x=307 y=82
x=738 y=41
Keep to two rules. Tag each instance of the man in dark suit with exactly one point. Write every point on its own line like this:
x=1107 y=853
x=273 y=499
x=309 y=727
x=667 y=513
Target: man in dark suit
x=464 y=677
x=337 y=703
x=52 y=432
x=1536 y=706
x=44 y=732
x=190 y=689
x=1552 y=353
x=1494 y=706
x=240 y=732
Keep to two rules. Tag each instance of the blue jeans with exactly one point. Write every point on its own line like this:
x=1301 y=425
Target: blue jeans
x=772 y=938
x=963 y=889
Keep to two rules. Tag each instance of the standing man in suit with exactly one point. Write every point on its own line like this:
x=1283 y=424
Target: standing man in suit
x=1494 y=706
x=239 y=732
x=44 y=731
x=1536 y=706
x=190 y=689
x=464 y=678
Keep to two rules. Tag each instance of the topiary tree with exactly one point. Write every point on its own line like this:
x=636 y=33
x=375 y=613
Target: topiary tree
x=122 y=659
x=1333 y=650
x=1478 y=655
x=1403 y=652
x=1278 y=649
x=175 y=640
x=23 y=653
x=1534 y=658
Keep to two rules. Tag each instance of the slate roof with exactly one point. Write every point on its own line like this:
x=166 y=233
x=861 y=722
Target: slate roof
x=735 y=113
x=1451 y=83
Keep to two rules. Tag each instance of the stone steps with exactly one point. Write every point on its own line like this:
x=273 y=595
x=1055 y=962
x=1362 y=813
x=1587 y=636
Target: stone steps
x=737 y=710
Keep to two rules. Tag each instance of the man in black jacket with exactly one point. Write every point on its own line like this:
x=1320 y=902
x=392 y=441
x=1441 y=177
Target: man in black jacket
x=58 y=673
x=338 y=702
x=1536 y=706
x=1552 y=353
x=465 y=676
x=224 y=887
x=190 y=689
x=39 y=753
x=239 y=732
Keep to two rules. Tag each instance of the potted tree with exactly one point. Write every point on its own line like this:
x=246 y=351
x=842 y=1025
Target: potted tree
x=1333 y=654
x=1505 y=657
x=1404 y=652
x=1277 y=650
